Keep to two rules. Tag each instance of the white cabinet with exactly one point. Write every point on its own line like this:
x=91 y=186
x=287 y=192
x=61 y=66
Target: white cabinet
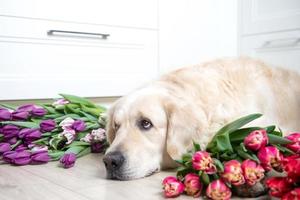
x=47 y=47
x=270 y=30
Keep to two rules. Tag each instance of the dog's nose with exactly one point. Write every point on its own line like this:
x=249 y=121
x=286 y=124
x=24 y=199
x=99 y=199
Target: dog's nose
x=113 y=160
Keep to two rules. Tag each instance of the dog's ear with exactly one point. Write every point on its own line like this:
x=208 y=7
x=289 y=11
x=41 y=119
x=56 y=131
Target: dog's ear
x=110 y=129
x=184 y=125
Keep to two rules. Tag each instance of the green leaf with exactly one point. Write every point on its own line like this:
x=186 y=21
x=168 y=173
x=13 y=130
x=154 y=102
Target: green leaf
x=4 y=105
x=243 y=148
x=75 y=149
x=247 y=155
x=240 y=134
x=78 y=100
x=270 y=129
x=93 y=111
x=179 y=162
x=284 y=150
x=205 y=178
x=186 y=157
x=219 y=165
x=89 y=116
x=49 y=109
x=78 y=143
x=278 y=133
x=274 y=139
x=228 y=156
x=73 y=116
x=56 y=155
x=196 y=146
x=22 y=124
x=84 y=152
x=223 y=143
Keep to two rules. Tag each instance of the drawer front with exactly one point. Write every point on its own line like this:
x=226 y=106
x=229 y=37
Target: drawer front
x=262 y=16
x=35 y=65
x=143 y=13
x=280 y=49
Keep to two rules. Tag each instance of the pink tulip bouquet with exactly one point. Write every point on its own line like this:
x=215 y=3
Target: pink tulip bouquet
x=237 y=161
x=64 y=130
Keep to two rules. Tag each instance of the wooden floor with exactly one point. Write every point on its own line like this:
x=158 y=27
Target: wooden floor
x=85 y=181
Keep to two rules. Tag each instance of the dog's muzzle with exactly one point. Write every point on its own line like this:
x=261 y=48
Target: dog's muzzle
x=113 y=163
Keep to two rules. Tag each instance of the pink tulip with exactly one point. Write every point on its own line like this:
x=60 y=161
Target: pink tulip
x=233 y=173
x=172 y=187
x=193 y=186
x=295 y=138
x=217 y=190
x=252 y=171
x=256 y=140
x=292 y=195
x=202 y=161
x=270 y=157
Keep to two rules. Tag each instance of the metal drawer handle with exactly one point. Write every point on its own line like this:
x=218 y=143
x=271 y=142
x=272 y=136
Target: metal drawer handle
x=286 y=42
x=61 y=33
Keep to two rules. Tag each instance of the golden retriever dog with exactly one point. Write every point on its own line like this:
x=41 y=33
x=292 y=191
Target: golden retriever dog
x=154 y=125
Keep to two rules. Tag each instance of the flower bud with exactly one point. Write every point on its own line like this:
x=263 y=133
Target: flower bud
x=278 y=186
x=26 y=107
x=69 y=134
x=295 y=145
x=29 y=134
x=217 y=190
x=78 y=125
x=66 y=123
x=252 y=171
x=40 y=157
x=193 y=186
x=19 y=157
x=202 y=161
x=96 y=147
x=4 y=114
x=270 y=157
x=20 y=115
x=172 y=187
x=233 y=173
x=68 y=160
x=47 y=125
x=4 y=147
x=38 y=112
x=256 y=140
x=10 y=131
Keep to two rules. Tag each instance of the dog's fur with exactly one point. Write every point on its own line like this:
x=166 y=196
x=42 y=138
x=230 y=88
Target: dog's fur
x=191 y=104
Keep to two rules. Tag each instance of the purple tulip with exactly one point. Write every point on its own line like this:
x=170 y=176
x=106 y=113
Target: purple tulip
x=26 y=107
x=12 y=140
x=78 y=125
x=4 y=114
x=96 y=147
x=10 y=131
x=20 y=115
x=4 y=147
x=29 y=134
x=38 y=112
x=19 y=157
x=40 y=157
x=21 y=147
x=68 y=160
x=47 y=125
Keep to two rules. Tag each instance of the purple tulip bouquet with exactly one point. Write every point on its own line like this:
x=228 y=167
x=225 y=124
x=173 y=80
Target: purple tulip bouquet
x=237 y=161
x=64 y=130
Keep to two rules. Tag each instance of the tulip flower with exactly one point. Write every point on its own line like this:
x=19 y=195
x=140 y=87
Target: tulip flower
x=292 y=195
x=47 y=125
x=66 y=123
x=270 y=157
x=4 y=114
x=4 y=147
x=20 y=115
x=96 y=147
x=12 y=140
x=26 y=107
x=202 y=161
x=78 y=125
x=69 y=134
x=29 y=134
x=21 y=147
x=60 y=102
x=233 y=173
x=217 y=190
x=10 y=131
x=35 y=148
x=291 y=165
x=256 y=140
x=39 y=112
x=193 y=186
x=172 y=187
x=40 y=157
x=278 y=186
x=295 y=145
x=19 y=157
x=252 y=171
x=68 y=160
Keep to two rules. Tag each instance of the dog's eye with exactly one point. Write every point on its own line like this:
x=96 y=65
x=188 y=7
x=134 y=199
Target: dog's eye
x=145 y=124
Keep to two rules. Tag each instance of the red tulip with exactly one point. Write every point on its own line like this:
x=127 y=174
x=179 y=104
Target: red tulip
x=256 y=140
x=202 y=161
x=270 y=157
x=291 y=165
x=295 y=138
x=233 y=173
x=193 y=186
x=172 y=187
x=278 y=186
x=217 y=190
x=252 y=171
x=292 y=195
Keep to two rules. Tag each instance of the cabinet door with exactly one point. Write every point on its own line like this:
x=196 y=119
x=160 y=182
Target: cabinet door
x=280 y=49
x=261 y=16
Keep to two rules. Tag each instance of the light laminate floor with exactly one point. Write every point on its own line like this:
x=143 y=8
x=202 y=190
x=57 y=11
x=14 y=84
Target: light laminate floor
x=85 y=181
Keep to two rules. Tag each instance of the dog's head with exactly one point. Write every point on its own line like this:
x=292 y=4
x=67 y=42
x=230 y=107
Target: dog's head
x=147 y=130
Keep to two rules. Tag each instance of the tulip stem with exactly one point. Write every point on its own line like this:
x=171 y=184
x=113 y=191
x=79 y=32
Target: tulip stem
x=16 y=144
